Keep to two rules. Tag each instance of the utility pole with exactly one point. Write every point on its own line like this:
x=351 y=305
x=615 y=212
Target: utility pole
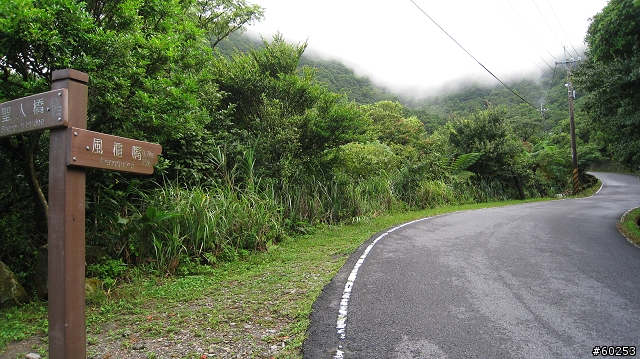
x=568 y=63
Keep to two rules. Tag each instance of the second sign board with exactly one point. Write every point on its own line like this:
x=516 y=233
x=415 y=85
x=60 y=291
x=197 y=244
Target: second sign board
x=99 y=150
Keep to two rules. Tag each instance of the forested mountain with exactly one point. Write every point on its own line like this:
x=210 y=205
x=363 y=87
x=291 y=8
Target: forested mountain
x=238 y=42
x=536 y=109
x=341 y=79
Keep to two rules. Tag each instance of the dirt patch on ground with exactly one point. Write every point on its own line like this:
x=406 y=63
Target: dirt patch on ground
x=183 y=330
x=22 y=348
x=244 y=340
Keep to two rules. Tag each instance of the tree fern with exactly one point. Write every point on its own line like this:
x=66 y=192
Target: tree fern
x=463 y=162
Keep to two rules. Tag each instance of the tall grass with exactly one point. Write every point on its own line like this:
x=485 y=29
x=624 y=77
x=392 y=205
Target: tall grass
x=369 y=197
x=176 y=223
x=220 y=222
x=307 y=202
x=310 y=201
x=214 y=223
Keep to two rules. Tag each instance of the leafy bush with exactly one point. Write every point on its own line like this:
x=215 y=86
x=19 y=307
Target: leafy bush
x=357 y=161
x=108 y=271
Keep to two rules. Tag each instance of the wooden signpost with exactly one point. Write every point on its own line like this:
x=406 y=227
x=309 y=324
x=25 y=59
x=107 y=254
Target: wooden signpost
x=72 y=148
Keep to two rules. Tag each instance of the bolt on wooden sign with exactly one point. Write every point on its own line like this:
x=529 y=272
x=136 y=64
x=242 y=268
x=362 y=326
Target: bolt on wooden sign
x=37 y=112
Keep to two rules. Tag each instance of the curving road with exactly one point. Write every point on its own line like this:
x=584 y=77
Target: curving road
x=539 y=280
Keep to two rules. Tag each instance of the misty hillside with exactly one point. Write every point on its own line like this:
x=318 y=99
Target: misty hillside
x=341 y=79
x=335 y=75
x=547 y=92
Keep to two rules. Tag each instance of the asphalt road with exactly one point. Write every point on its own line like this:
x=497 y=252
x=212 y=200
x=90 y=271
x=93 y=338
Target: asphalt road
x=539 y=280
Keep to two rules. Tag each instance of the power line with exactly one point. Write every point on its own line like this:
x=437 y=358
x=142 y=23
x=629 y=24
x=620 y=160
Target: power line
x=531 y=32
x=520 y=31
x=562 y=28
x=543 y=71
x=551 y=84
x=549 y=66
x=476 y=60
x=553 y=79
x=549 y=26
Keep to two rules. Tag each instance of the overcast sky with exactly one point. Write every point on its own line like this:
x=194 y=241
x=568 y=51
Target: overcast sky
x=398 y=46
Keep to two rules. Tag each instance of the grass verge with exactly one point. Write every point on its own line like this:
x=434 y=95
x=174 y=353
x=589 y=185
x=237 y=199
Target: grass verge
x=590 y=191
x=260 y=301
x=630 y=226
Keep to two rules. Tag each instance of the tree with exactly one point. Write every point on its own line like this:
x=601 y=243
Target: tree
x=504 y=161
x=280 y=109
x=611 y=77
x=358 y=161
x=149 y=67
x=220 y=18
x=33 y=41
x=391 y=127
x=527 y=123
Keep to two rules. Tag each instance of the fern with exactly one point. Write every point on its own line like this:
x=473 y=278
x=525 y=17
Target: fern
x=464 y=161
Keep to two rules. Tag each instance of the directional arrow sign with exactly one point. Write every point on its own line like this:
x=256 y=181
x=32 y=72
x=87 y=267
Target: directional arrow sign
x=99 y=150
x=37 y=112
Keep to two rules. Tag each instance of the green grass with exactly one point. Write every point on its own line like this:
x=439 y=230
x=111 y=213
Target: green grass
x=590 y=191
x=630 y=226
x=17 y=324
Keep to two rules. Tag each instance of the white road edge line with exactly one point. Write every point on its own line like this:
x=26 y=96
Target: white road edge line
x=341 y=324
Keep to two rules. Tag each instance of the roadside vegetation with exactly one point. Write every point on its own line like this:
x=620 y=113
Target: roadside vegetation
x=630 y=226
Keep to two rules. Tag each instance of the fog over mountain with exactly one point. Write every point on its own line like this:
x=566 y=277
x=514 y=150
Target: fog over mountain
x=399 y=47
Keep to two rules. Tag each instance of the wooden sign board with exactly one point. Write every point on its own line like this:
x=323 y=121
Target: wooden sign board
x=99 y=150
x=37 y=112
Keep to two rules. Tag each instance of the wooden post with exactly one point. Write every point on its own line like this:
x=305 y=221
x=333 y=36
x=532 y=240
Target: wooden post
x=574 y=152
x=66 y=281
x=572 y=129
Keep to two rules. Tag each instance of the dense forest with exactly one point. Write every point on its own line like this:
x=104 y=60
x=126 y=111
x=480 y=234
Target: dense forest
x=262 y=142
